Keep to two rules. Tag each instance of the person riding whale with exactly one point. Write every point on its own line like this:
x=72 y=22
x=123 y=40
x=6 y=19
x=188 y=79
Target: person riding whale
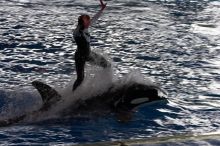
x=83 y=52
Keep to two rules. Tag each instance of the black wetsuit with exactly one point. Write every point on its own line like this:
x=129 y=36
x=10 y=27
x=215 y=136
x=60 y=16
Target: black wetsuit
x=84 y=53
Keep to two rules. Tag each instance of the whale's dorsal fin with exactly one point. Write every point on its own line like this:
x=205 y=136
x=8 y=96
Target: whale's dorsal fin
x=49 y=95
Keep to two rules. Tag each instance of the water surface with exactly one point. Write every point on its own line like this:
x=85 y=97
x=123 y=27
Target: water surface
x=175 y=43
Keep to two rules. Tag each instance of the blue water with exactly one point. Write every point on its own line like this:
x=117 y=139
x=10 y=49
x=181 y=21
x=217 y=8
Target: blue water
x=175 y=43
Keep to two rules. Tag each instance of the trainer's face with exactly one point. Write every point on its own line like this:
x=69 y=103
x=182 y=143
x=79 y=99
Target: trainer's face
x=86 y=22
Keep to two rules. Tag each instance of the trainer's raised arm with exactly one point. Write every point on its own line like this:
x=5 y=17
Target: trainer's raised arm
x=97 y=15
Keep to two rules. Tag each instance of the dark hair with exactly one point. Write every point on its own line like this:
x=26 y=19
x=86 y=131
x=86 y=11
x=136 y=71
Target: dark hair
x=80 y=20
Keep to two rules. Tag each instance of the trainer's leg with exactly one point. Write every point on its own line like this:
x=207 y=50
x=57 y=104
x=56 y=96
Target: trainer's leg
x=98 y=60
x=79 y=63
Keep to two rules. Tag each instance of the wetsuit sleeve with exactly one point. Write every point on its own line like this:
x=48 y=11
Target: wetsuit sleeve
x=96 y=17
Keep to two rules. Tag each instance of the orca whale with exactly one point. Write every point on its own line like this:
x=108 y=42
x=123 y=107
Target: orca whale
x=121 y=101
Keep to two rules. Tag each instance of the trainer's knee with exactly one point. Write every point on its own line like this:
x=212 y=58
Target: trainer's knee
x=79 y=80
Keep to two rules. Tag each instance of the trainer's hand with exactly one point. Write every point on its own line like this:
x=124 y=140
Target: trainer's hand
x=102 y=4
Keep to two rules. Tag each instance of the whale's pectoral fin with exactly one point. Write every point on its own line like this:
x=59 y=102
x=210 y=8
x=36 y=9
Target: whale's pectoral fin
x=124 y=116
x=49 y=95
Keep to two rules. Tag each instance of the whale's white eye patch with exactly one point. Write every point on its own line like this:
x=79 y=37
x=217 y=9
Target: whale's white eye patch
x=139 y=100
